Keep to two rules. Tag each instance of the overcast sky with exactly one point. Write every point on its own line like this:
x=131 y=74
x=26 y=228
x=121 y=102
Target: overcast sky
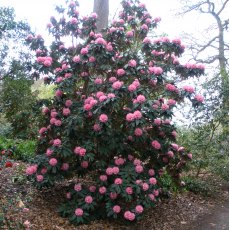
x=38 y=12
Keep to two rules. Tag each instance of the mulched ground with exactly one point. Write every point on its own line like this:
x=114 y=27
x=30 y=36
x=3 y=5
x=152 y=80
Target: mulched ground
x=185 y=211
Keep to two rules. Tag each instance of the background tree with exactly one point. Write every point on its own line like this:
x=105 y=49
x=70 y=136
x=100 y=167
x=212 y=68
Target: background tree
x=101 y=8
x=209 y=131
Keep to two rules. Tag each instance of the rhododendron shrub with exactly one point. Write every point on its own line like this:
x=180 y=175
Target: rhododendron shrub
x=110 y=118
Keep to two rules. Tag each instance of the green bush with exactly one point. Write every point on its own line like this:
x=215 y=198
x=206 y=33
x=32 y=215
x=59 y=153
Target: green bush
x=198 y=186
x=22 y=149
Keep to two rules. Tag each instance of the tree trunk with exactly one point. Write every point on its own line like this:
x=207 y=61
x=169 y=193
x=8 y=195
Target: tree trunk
x=101 y=7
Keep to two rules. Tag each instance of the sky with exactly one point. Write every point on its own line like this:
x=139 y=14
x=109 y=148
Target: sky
x=38 y=13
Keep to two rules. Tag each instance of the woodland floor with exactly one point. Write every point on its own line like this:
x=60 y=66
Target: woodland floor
x=184 y=211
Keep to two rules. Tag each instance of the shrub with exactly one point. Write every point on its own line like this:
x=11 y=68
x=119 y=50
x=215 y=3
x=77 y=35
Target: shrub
x=110 y=117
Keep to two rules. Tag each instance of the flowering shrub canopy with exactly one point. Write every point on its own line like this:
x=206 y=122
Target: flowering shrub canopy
x=111 y=114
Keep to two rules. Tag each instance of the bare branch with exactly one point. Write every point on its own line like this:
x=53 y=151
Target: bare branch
x=222 y=8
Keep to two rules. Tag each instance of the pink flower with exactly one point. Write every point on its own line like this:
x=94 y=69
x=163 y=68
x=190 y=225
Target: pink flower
x=111 y=95
x=140 y=98
x=47 y=63
x=65 y=166
x=139 y=209
x=130 y=117
x=145 y=186
x=157 y=121
x=87 y=107
x=132 y=63
x=199 y=98
x=84 y=164
x=129 y=215
x=77 y=187
x=118 y=181
x=119 y=161
x=175 y=146
x=31 y=170
x=112 y=79
x=170 y=154
x=94 y=15
x=129 y=34
x=117 y=85
x=96 y=127
x=42 y=130
x=45 y=110
x=109 y=171
x=188 y=89
x=103 y=118
x=116 y=170
x=92 y=188
x=144 y=27
x=132 y=88
x=139 y=169
x=156 y=144
x=116 y=209
x=58 y=93
x=66 y=111
x=57 y=142
x=98 y=81
x=113 y=195
x=151 y=172
x=103 y=178
x=174 y=133
x=100 y=41
x=170 y=87
x=171 y=102
x=76 y=59
x=44 y=171
x=84 y=51
x=39 y=178
x=82 y=152
x=79 y=212
x=129 y=190
x=137 y=162
x=137 y=114
x=152 y=180
x=53 y=161
x=88 y=199
x=151 y=197
x=58 y=123
x=120 y=72
x=189 y=155
x=138 y=132
x=49 y=152
x=164 y=107
x=146 y=40
x=109 y=47
x=102 y=190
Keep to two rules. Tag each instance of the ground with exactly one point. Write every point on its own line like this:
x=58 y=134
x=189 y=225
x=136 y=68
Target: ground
x=182 y=211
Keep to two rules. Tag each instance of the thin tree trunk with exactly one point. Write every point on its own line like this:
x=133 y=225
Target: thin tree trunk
x=101 y=7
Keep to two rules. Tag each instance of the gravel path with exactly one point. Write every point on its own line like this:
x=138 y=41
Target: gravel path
x=216 y=219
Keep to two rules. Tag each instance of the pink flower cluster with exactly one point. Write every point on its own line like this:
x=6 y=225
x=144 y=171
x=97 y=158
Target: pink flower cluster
x=80 y=151
x=194 y=66
x=31 y=170
x=155 y=70
x=134 y=116
x=46 y=61
x=129 y=215
x=156 y=145
x=188 y=89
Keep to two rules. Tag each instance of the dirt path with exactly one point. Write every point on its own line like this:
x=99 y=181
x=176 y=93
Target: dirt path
x=216 y=219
